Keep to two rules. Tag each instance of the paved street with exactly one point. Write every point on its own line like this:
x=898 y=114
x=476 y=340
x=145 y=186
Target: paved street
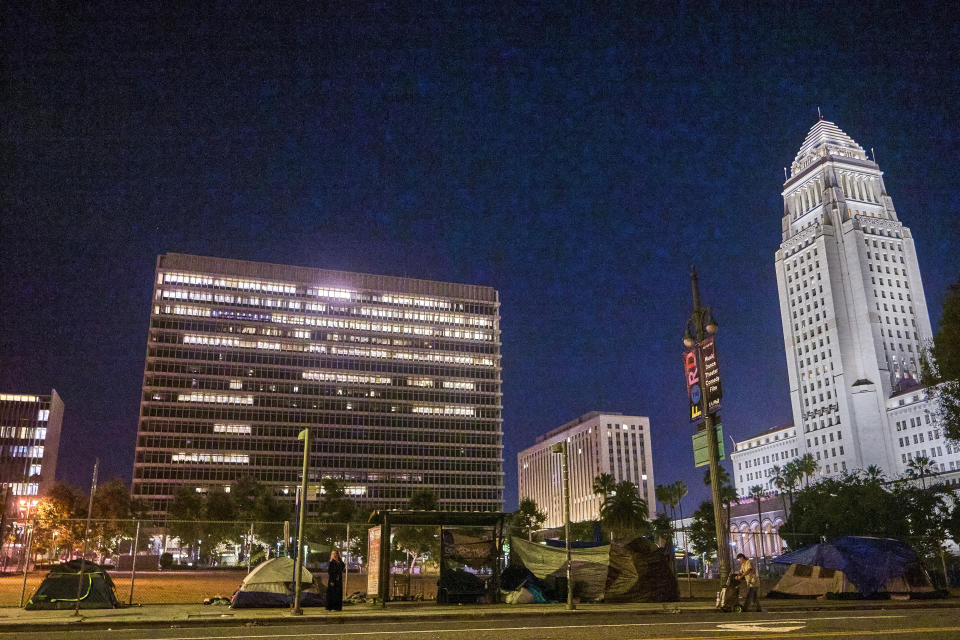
x=929 y=624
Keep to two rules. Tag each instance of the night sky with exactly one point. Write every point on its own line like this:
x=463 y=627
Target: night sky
x=575 y=160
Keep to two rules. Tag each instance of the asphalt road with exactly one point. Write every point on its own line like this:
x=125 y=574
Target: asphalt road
x=931 y=624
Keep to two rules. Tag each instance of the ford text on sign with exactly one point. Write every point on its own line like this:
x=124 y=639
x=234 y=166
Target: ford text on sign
x=691 y=370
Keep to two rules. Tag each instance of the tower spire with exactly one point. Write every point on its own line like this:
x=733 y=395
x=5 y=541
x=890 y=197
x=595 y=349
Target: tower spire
x=820 y=115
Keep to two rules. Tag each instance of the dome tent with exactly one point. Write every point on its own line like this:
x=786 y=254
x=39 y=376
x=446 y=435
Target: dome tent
x=59 y=589
x=271 y=585
x=853 y=565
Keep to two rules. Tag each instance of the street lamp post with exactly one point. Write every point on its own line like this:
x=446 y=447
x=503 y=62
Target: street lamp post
x=704 y=326
x=561 y=448
x=28 y=543
x=298 y=568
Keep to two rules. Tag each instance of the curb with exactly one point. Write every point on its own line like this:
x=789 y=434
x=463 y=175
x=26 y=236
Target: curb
x=211 y=620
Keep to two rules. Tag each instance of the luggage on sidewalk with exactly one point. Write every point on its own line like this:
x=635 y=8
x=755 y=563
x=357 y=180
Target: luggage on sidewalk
x=728 y=598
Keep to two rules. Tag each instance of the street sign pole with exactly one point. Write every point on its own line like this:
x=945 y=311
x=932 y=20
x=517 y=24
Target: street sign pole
x=707 y=397
x=298 y=567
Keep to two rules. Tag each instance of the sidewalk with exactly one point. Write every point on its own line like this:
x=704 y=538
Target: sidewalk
x=191 y=615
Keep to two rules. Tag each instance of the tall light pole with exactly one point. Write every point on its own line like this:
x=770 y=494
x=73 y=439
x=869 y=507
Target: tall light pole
x=298 y=567
x=703 y=384
x=561 y=448
x=27 y=543
x=86 y=532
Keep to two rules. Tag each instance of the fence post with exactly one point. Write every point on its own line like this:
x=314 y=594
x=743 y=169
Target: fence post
x=133 y=563
x=26 y=560
x=86 y=532
x=346 y=562
x=249 y=546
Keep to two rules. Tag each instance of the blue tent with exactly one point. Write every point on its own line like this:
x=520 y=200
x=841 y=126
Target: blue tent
x=869 y=563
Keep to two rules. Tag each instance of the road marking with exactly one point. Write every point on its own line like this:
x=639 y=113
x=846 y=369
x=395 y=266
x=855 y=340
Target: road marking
x=463 y=629
x=760 y=626
x=816 y=634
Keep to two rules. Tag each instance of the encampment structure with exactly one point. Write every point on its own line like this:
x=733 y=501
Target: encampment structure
x=59 y=589
x=271 y=584
x=853 y=566
x=636 y=571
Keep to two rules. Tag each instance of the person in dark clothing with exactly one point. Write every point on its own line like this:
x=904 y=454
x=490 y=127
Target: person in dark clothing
x=335 y=582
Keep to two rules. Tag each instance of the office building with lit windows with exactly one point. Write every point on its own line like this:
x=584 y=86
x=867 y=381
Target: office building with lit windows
x=598 y=442
x=854 y=319
x=29 y=441
x=397 y=379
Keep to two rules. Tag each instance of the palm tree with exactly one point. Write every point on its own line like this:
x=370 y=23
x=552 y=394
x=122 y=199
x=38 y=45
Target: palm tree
x=757 y=492
x=921 y=467
x=792 y=474
x=664 y=495
x=604 y=485
x=728 y=494
x=624 y=512
x=874 y=473
x=680 y=492
x=808 y=466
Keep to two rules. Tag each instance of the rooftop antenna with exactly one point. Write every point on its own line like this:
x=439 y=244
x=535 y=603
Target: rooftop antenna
x=873 y=155
x=818 y=112
x=785 y=173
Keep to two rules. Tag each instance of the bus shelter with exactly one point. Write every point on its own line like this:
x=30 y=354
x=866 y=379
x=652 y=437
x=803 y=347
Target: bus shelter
x=470 y=552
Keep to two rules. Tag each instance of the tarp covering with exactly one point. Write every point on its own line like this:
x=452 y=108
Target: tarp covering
x=59 y=589
x=873 y=565
x=636 y=571
x=271 y=585
x=805 y=581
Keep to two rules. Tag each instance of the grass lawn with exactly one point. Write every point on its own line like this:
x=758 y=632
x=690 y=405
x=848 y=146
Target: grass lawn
x=182 y=587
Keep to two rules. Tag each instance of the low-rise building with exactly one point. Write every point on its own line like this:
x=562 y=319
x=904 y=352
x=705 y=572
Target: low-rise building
x=754 y=459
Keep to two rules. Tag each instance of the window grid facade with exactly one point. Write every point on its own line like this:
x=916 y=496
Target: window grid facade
x=29 y=442
x=397 y=379
x=852 y=306
x=596 y=443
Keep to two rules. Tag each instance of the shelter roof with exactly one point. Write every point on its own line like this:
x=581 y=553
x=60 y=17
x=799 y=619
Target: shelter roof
x=440 y=518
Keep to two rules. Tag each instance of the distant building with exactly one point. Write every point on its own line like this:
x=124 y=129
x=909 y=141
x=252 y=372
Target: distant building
x=912 y=411
x=754 y=459
x=398 y=381
x=755 y=532
x=598 y=442
x=29 y=441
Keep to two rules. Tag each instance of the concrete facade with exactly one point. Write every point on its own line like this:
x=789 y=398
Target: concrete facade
x=29 y=441
x=852 y=306
x=598 y=442
x=398 y=381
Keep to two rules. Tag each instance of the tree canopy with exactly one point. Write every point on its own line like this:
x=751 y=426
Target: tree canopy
x=624 y=514
x=860 y=505
x=940 y=366
x=527 y=519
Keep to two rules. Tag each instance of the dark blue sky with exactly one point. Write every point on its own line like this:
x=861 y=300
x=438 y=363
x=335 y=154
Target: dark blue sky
x=576 y=160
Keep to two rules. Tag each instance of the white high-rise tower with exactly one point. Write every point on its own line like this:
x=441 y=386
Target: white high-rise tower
x=851 y=301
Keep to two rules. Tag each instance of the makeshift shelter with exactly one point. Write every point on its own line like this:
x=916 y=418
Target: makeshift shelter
x=852 y=566
x=471 y=547
x=59 y=589
x=636 y=571
x=271 y=585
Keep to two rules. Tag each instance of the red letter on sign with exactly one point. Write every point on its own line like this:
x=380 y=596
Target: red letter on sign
x=691 y=366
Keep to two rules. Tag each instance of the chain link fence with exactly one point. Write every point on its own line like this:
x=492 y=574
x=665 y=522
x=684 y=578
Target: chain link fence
x=189 y=561
x=173 y=561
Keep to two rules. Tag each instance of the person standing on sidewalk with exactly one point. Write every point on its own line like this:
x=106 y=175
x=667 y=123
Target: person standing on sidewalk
x=335 y=582
x=749 y=575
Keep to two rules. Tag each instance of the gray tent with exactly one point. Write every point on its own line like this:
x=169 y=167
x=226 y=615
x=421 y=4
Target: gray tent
x=271 y=585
